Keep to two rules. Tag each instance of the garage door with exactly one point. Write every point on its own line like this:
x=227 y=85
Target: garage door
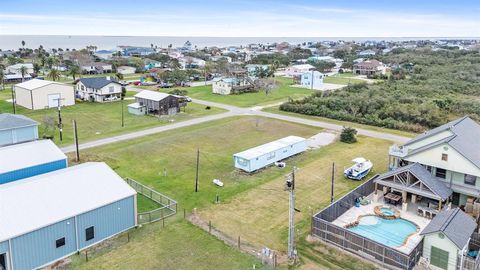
x=439 y=258
x=53 y=100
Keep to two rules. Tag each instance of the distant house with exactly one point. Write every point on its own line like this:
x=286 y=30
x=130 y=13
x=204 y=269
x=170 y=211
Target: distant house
x=126 y=70
x=157 y=103
x=261 y=156
x=11 y=78
x=369 y=68
x=446 y=237
x=149 y=64
x=104 y=54
x=41 y=94
x=366 y=53
x=16 y=128
x=312 y=80
x=253 y=68
x=136 y=51
x=99 y=89
x=297 y=70
x=227 y=86
x=15 y=69
x=191 y=62
x=96 y=68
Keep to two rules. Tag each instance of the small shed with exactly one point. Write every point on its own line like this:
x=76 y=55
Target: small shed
x=137 y=109
x=28 y=159
x=261 y=156
x=16 y=128
x=51 y=216
x=41 y=94
x=157 y=103
x=447 y=236
x=312 y=80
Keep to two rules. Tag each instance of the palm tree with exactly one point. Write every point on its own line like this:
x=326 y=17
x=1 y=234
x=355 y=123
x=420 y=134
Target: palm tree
x=2 y=77
x=23 y=71
x=174 y=63
x=54 y=75
x=23 y=44
x=74 y=71
x=36 y=68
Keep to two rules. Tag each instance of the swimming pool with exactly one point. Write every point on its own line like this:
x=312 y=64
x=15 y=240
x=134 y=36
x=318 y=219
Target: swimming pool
x=387 y=211
x=390 y=232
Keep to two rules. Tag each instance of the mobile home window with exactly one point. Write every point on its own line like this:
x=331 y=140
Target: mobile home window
x=242 y=161
x=442 y=173
x=89 y=233
x=445 y=157
x=271 y=155
x=470 y=179
x=60 y=242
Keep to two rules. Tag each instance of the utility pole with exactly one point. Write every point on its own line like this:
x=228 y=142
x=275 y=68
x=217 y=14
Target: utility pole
x=60 y=125
x=196 y=174
x=75 y=137
x=123 y=118
x=14 y=101
x=333 y=183
x=290 y=187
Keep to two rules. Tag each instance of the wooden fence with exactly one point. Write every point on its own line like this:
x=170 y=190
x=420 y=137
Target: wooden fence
x=347 y=240
x=168 y=206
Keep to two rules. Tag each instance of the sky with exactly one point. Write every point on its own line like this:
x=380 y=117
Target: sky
x=243 y=18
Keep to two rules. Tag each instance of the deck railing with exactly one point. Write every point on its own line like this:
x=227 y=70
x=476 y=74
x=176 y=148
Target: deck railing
x=168 y=206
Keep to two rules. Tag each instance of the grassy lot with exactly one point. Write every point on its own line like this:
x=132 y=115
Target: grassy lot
x=100 y=120
x=341 y=80
x=343 y=123
x=257 y=203
x=179 y=245
x=145 y=204
x=145 y=159
x=266 y=207
x=282 y=93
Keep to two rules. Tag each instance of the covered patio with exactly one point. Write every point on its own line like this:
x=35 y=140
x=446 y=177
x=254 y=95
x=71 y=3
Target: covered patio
x=414 y=181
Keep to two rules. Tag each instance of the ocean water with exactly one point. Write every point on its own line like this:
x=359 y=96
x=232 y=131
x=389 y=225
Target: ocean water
x=8 y=42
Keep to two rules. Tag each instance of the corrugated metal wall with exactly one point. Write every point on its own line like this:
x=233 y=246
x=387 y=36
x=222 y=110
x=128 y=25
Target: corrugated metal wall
x=32 y=171
x=18 y=135
x=3 y=247
x=107 y=220
x=37 y=248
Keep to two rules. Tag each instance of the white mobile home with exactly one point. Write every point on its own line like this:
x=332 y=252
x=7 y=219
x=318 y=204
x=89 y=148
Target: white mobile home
x=267 y=154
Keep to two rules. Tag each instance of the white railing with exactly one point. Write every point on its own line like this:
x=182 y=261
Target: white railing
x=397 y=151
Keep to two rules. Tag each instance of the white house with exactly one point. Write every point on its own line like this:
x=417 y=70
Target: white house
x=312 y=80
x=16 y=68
x=100 y=89
x=451 y=152
x=96 y=68
x=41 y=94
x=226 y=86
x=126 y=70
x=297 y=70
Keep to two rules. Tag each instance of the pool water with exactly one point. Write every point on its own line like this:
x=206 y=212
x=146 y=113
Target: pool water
x=387 y=211
x=391 y=233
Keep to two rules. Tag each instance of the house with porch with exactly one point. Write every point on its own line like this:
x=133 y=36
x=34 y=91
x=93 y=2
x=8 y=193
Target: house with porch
x=451 y=153
x=369 y=68
x=98 y=89
x=156 y=103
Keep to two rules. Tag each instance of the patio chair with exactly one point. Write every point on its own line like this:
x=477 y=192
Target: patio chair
x=420 y=212
x=428 y=215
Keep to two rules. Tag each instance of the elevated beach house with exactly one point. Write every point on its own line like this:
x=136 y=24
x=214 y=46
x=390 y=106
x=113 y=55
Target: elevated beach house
x=156 y=103
x=450 y=152
x=101 y=89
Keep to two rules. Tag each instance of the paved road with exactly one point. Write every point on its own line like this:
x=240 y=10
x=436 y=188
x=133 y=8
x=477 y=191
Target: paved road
x=232 y=111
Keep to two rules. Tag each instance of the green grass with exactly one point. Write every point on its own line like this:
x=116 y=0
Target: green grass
x=337 y=79
x=145 y=204
x=282 y=93
x=180 y=245
x=145 y=159
x=100 y=120
x=343 y=123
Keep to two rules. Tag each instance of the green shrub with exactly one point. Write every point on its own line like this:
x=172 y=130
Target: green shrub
x=348 y=135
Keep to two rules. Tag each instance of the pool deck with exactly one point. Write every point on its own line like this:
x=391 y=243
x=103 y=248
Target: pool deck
x=354 y=213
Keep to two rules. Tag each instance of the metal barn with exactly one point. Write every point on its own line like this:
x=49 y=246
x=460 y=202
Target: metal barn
x=16 y=128
x=48 y=217
x=267 y=154
x=28 y=159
